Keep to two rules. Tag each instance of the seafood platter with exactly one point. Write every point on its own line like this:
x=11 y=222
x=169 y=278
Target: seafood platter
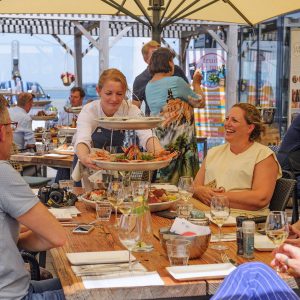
x=90 y=198
x=127 y=123
x=160 y=199
x=131 y=160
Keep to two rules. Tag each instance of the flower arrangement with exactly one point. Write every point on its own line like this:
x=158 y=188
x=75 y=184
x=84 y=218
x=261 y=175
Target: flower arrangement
x=67 y=78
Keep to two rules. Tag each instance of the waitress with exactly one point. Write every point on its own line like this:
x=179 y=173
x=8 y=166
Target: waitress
x=112 y=88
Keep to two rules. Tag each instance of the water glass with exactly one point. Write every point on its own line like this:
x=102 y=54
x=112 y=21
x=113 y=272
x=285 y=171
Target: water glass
x=40 y=148
x=103 y=211
x=185 y=187
x=178 y=251
x=184 y=210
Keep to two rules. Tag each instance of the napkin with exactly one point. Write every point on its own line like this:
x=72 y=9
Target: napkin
x=122 y=279
x=181 y=226
x=60 y=214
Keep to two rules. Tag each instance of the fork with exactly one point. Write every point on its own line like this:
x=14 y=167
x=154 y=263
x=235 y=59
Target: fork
x=226 y=259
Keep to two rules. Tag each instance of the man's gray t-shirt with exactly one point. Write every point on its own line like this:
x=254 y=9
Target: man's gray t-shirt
x=16 y=198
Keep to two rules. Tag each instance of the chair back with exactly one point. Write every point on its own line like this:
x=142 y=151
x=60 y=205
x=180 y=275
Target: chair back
x=284 y=190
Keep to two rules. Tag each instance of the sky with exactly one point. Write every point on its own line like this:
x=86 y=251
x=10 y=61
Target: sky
x=43 y=59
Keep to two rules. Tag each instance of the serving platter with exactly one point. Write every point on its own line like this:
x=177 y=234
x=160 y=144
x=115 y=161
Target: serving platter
x=154 y=207
x=132 y=165
x=67 y=130
x=74 y=110
x=63 y=151
x=44 y=118
x=41 y=103
x=129 y=123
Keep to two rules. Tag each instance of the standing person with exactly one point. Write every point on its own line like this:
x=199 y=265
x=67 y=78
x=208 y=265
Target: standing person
x=112 y=88
x=24 y=135
x=174 y=98
x=18 y=205
x=77 y=95
x=140 y=82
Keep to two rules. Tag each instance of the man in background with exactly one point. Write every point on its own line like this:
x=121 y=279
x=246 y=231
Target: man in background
x=140 y=82
x=77 y=95
x=24 y=135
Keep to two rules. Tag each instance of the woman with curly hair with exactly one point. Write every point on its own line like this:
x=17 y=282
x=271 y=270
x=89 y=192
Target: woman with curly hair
x=242 y=169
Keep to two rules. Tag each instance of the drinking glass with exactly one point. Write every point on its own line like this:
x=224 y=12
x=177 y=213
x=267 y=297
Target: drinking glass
x=103 y=211
x=185 y=187
x=61 y=139
x=277 y=229
x=219 y=210
x=129 y=232
x=178 y=251
x=67 y=185
x=115 y=195
x=46 y=139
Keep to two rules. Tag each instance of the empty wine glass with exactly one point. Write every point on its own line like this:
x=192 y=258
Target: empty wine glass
x=115 y=195
x=46 y=139
x=61 y=138
x=277 y=228
x=185 y=187
x=219 y=210
x=129 y=232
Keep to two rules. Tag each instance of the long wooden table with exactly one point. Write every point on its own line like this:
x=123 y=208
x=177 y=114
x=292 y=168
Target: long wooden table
x=107 y=239
x=44 y=161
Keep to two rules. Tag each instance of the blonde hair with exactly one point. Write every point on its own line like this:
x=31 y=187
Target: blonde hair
x=147 y=46
x=113 y=75
x=3 y=110
x=24 y=98
x=252 y=116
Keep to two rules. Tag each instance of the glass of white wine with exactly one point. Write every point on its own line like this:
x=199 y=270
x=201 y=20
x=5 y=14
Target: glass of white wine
x=220 y=211
x=129 y=232
x=277 y=228
x=115 y=195
x=185 y=187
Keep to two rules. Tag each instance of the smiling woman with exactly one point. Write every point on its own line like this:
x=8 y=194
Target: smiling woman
x=112 y=88
x=243 y=169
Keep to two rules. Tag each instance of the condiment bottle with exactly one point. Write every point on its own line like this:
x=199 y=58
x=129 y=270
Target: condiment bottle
x=248 y=238
x=239 y=234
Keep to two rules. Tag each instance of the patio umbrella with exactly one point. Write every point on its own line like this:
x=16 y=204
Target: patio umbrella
x=160 y=13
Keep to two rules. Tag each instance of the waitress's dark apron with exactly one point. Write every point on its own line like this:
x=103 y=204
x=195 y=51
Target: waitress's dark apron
x=102 y=138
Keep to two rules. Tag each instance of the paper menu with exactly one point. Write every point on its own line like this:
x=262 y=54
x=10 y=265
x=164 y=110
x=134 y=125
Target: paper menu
x=181 y=226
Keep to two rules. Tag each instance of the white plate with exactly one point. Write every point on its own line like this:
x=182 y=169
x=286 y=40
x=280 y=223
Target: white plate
x=168 y=187
x=132 y=166
x=231 y=221
x=100 y=257
x=62 y=151
x=54 y=155
x=129 y=123
x=161 y=206
x=74 y=110
x=67 y=130
x=262 y=243
x=84 y=199
x=197 y=272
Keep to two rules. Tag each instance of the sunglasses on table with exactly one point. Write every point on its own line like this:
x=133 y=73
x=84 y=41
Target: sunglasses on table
x=13 y=125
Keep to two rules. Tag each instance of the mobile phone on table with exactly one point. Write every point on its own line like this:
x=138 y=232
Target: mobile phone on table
x=83 y=229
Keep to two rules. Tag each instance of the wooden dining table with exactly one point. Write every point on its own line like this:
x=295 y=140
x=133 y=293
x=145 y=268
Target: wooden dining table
x=45 y=161
x=105 y=238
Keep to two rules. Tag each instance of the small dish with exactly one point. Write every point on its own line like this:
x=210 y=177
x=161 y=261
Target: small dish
x=262 y=243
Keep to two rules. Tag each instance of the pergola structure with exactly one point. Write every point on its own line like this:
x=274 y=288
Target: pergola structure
x=99 y=28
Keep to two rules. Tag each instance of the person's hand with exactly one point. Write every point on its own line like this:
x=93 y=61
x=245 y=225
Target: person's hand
x=204 y=194
x=197 y=78
x=288 y=258
x=294 y=236
x=87 y=161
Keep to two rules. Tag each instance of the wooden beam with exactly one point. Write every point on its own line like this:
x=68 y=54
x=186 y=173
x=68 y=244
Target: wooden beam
x=103 y=46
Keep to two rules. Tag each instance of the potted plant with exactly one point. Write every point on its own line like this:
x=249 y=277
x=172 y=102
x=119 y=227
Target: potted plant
x=67 y=78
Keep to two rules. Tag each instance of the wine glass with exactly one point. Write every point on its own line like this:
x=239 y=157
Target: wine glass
x=185 y=187
x=219 y=210
x=129 y=232
x=115 y=195
x=277 y=228
x=61 y=138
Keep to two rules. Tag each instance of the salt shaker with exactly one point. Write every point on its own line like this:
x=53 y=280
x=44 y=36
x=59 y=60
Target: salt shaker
x=239 y=234
x=248 y=238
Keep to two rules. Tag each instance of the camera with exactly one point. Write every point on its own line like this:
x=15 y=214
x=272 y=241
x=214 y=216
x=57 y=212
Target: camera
x=54 y=196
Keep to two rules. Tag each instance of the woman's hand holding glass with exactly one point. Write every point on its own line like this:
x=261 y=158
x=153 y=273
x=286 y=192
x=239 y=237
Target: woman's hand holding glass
x=219 y=211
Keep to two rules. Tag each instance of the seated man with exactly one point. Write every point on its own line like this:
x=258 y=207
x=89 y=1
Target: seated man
x=76 y=97
x=24 y=135
x=18 y=205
